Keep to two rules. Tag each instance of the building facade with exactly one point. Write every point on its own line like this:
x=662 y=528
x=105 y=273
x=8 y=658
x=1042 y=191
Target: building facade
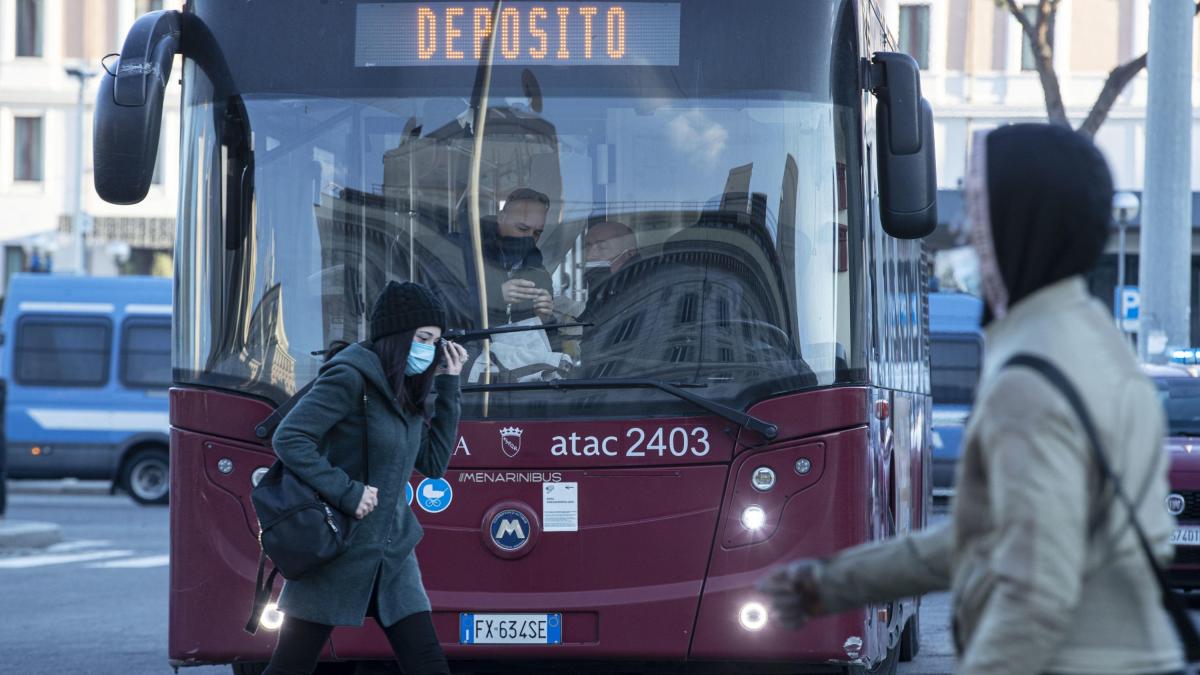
x=978 y=73
x=40 y=40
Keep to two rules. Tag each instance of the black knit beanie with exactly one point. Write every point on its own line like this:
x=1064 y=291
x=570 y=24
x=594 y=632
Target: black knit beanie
x=404 y=307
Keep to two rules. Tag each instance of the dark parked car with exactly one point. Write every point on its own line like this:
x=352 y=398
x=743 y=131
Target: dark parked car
x=1180 y=394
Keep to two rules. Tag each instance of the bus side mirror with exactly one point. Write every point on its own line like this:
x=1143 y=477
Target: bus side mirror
x=129 y=109
x=904 y=146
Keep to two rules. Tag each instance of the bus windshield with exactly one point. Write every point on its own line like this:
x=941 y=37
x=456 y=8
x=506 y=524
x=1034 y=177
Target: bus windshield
x=702 y=217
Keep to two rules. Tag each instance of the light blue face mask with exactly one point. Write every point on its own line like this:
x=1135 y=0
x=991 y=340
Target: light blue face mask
x=420 y=357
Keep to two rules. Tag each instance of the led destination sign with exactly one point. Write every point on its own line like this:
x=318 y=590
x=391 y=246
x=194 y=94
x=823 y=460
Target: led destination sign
x=525 y=33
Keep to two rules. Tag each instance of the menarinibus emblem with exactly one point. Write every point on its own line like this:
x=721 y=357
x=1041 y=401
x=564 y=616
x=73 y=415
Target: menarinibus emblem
x=510 y=530
x=510 y=440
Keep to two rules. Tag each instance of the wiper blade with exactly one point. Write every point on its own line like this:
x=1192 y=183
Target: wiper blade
x=464 y=335
x=763 y=427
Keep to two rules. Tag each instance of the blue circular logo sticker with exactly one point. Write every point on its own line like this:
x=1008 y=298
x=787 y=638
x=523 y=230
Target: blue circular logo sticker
x=510 y=530
x=434 y=495
x=408 y=493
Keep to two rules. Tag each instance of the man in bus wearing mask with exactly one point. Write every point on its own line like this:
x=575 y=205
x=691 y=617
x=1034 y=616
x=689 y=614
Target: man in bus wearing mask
x=518 y=284
x=608 y=246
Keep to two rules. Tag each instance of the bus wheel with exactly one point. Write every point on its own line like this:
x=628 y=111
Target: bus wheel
x=910 y=639
x=888 y=667
x=146 y=477
x=248 y=668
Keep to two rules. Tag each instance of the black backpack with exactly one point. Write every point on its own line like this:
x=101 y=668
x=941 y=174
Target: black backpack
x=298 y=530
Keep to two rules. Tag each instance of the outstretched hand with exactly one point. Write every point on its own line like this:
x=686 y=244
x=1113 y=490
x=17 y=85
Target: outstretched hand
x=792 y=591
x=456 y=357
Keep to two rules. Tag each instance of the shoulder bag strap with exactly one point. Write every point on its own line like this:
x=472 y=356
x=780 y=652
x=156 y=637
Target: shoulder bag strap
x=262 y=593
x=266 y=428
x=1171 y=601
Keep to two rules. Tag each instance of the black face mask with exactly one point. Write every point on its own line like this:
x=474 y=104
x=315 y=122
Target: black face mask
x=594 y=276
x=515 y=249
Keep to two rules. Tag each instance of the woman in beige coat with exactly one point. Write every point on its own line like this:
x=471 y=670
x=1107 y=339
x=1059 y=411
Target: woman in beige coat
x=1046 y=576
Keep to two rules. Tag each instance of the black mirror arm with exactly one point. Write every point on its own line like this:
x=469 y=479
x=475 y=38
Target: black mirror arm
x=146 y=57
x=895 y=79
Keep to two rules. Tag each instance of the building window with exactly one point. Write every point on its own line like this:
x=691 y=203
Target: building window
x=1027 y=58
x=146 y=354
x=626 y=331
x=27 y=148
x=63 y=351
x=687 y=308
x=914 y=33
x=29 y=27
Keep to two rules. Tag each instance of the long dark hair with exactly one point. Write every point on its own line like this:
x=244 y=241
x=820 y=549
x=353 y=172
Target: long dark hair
x=392 y=351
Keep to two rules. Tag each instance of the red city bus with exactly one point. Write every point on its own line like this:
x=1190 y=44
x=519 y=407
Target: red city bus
x=750 y=386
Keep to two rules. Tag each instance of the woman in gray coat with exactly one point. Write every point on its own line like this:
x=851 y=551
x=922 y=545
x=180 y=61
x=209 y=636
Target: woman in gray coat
x=373 y=394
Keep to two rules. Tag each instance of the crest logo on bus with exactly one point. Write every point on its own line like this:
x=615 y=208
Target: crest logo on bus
x=1175 y=503
x=510 y=440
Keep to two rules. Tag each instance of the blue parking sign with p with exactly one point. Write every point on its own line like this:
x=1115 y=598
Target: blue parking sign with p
x=1128 y=303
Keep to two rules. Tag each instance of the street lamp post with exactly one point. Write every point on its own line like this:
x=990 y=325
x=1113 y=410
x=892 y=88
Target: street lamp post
x=82 y=73
x=1125 y=208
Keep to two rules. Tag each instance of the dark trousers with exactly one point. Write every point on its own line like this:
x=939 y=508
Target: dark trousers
x=412 y=638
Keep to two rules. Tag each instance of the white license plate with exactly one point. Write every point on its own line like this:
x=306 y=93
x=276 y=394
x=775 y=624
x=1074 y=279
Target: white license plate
x=1186 y=535
x=510 y=629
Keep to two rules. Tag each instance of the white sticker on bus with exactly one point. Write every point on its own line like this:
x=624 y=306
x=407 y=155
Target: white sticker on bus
x=637 y=443
x=560 y=507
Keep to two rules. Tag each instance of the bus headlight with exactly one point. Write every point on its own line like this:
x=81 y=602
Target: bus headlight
x=763 y=479
x=258 y=475
x=753 y=518
x=753 y=616
x=271 y=617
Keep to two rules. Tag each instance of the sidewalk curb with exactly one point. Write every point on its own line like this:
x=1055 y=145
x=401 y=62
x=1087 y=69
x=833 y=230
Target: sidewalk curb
x=28 y=534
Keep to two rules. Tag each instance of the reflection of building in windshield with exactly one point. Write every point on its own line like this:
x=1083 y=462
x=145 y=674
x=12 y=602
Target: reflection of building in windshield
x=261 y=353
x=266 y=351
x=415 y=225
x=428 y=176
x=711 y=301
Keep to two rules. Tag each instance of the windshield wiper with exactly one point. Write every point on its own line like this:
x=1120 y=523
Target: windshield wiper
x=763 y=427
x=464 y=335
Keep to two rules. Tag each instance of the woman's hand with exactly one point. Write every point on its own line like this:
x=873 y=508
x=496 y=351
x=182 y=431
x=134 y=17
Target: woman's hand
x=455 y=358
x=792 y=591
x=370 y=499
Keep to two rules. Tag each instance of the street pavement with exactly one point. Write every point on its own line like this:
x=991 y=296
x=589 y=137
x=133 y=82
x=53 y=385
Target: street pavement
x=96 y=602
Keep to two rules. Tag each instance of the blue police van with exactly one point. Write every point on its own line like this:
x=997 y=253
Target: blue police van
x=85 y=371
x=955 y=359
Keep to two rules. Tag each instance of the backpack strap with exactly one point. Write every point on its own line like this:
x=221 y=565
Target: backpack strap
x=266 y=428
x=1171 y=601
x=262 y=593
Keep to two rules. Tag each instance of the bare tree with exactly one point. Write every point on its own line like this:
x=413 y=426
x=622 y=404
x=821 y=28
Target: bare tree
x=1039 y=32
